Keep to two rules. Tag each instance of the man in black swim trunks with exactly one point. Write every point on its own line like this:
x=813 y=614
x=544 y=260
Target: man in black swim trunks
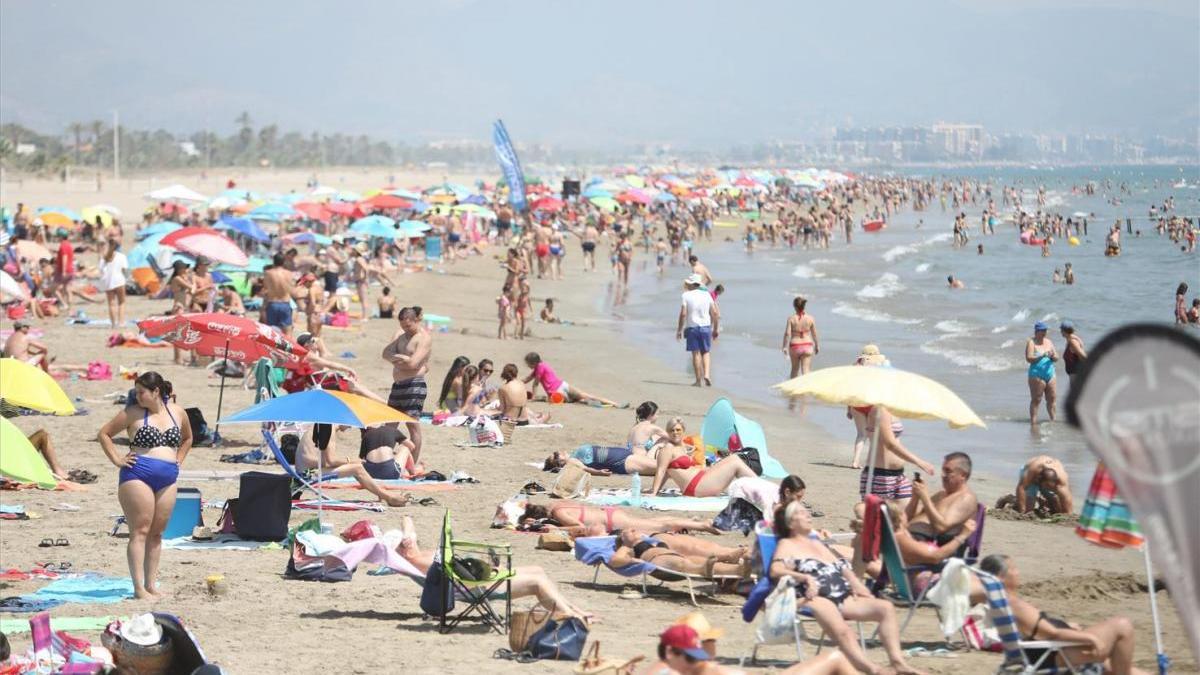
x=940 y=517
x=408 y=352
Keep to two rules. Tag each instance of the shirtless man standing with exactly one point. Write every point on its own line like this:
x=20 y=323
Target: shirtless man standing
x=278 y=291
x=589 y=238
x=1043 y=488
x=408 y=352
x=940 y=517
x=313 y=299
x=701 y=269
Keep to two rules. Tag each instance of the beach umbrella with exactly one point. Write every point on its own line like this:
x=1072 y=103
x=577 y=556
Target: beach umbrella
x=91 y=213
x=665 y=197
x=344 y=208
x=405 y=194
x=475 y=199
x=58 y=219
x=323 y=191
x=203 y=241
x=375 y=226
x=605 y=203
x=320 y=406
x=904 y=394
x=175 y=193
x=595 y=191
x=635 y=181
x=307 y=238
x=272 y=211
x=234 y=338
x=162 y=227
x=173 y=209
x=481 y=211
x=1105 y=519
x=107 y=208
x=10 y=287
x=256 y=265
x=386 y=201
x=62 y=210
x=313 y=211
x=547 y=204
x=20 y=461
x=413 y=228
x=243 y=226
x=31 y=387
x=31 y=250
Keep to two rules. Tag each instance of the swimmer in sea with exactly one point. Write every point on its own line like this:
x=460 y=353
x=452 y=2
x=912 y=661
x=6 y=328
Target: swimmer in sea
x=1041 y=355
x=954 y=283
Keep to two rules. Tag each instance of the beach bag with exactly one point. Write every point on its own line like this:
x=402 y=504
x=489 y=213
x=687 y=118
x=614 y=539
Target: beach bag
x=979 y=634
x=777 y=624
x=554 y=540
x=484 y=431
x=594 y=664
x=559 y=640
x=524 y=623
x=98 y=370
x=751 y=459
x=199 y=425
x=573 y=481
x=264 y=505
x=437 y=597
x=340 y=320
x=226 y=523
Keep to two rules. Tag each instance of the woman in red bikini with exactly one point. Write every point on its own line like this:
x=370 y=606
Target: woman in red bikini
x=797 y=343
x=675 y=462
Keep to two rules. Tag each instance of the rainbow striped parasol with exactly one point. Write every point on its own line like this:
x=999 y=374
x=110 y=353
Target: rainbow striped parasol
x=1105 y=519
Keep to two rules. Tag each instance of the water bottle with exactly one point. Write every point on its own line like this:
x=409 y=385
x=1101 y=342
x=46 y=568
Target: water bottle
x=635 y=489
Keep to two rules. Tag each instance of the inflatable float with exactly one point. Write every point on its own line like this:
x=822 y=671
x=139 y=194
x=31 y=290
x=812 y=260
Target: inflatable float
x=874 y=225
x=1028 y=238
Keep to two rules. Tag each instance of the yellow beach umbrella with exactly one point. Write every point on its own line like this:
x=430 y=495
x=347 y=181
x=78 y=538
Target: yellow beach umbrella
x=55 y=219
x=91 y=213
x=904 y=394
x=30 y=387
x=21 y=461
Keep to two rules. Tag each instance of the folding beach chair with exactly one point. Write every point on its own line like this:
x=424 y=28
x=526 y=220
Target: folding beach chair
x=767 y=542
x=1016 y=658
x=896 y=572
x=598 y=551
x=477 y=593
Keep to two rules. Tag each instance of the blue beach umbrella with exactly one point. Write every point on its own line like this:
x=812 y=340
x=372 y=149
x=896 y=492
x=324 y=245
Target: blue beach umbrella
x=272 y=211
x=375 y=226
x=162 y=227
x=244 y=226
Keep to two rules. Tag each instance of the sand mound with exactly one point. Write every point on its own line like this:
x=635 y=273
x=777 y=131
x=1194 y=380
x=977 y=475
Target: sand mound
x=1067 y=519
x=1099 y=586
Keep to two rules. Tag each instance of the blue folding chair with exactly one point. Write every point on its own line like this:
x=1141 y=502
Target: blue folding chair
x=598 y=551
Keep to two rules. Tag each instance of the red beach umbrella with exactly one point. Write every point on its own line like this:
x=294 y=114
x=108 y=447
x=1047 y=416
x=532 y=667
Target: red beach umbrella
x=225 y=336
x=207 y=242
x=386 y=201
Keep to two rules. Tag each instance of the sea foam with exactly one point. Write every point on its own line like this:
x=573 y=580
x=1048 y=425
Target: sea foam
x=885 y=286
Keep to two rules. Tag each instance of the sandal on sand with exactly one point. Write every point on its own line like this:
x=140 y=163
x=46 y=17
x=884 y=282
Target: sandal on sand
x=46 y=543
x=631 y=594
x=62 y=542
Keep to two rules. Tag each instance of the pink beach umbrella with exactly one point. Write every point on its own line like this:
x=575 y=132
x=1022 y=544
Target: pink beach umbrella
x=203 y=241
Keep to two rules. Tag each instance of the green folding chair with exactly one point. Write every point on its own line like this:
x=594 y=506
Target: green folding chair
x=494 y=569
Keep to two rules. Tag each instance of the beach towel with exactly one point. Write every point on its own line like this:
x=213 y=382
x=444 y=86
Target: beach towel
x=65 y=623
x=870 y=531
x=658 y=503
x=220 y=542
x=334 y=551
x=87 y=588
x=952 y=594
x=339 y=505
x=27 y=603
x=600 y=550
x=760 y=492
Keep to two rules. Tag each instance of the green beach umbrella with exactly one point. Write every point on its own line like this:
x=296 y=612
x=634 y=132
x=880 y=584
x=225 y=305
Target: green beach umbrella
x=20 y=461
x=606 y=203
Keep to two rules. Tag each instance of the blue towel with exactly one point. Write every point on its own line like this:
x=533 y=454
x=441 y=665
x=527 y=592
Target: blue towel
x=87 y=589
x=600 y=550
x=12 y=508
x=658 y=503
x=27 y=603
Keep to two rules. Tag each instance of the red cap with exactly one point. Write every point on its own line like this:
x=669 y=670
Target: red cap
x=306 y=278
x=685 y=639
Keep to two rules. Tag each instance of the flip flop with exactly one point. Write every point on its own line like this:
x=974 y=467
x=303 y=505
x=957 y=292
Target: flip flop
x=62 y=542
x=46 y=543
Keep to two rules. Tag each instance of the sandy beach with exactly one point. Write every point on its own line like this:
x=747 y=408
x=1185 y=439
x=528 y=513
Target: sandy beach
x=373 y=623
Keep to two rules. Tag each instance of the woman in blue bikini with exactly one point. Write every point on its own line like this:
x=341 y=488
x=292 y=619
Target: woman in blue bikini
x=1041 y=355
x=160 y=437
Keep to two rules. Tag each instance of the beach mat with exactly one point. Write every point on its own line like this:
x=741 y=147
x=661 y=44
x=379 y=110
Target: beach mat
x=88 y=588
x=57 y=623
x=658 y=503
x=390 y=485
x=220 y=542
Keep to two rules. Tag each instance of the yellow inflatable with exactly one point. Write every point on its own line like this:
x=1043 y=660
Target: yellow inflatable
x=1074 y=241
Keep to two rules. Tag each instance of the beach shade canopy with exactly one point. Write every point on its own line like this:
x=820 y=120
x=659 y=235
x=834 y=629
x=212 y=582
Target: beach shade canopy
x=163 y=227
x=91 y=213
x=31 y=250
x=547 y=204
x=203 y=241
x=175 y=193
x=20 y=461
x=375 y=226
x=904 y=394
x=236 y=338
x=10 y=288
x=320 y=406
x=31 y=387
x=243 y=226
x=722 y=423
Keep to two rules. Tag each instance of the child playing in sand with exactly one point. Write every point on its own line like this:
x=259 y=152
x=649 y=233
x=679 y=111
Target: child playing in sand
x=547 y=314
x=553 y=384
x=502 y=306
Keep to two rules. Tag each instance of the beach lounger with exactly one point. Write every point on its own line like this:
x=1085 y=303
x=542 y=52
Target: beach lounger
x=1028 y=657
x=598 y=551
x=477 y=593
x=767 y=542
x=896 y=572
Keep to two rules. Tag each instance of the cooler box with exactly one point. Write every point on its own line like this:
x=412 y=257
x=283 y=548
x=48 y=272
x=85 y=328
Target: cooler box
x=186 y=515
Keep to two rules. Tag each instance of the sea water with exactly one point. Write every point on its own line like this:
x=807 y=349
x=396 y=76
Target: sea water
x=889 y=288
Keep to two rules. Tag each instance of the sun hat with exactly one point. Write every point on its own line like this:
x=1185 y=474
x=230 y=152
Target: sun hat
x=142 y=630
x=694 y=280
x=1041 y=325
x=685 y=639
x=699 y=623
x=871 y=356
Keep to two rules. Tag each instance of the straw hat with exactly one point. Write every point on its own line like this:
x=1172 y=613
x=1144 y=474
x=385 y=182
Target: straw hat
x=700 y=624
x=871 y=356
x=142 y=630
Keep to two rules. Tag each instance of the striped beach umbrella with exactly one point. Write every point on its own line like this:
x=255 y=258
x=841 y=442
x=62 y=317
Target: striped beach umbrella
x=1105 y=519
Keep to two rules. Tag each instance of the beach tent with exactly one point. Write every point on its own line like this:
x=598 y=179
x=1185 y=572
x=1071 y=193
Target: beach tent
x=722 y=421
x=175 y=193
x=20 y=461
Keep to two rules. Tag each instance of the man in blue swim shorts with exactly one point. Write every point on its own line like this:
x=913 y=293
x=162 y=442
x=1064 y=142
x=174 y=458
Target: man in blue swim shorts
x=278 y=290
x=699 y=321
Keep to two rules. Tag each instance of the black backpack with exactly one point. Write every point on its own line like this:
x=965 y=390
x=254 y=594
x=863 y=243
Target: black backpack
x=750 y=457
x=437 y=597
x=264 y=505
x=199 y=425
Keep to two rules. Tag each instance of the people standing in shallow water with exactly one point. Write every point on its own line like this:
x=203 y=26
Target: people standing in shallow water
x=1041 y=355
x=800 y=338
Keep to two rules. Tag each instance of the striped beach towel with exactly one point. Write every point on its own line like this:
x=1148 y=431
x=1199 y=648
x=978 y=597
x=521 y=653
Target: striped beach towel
x=1001 y=617
x=1105 y=519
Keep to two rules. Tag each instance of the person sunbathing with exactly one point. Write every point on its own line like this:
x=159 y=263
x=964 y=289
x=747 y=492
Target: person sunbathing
x=576 y=519
x=675 y=463
x=386 y=453
x=529 y=580
x=828 y=587
x=514 y=399
x=599 y=460
x=915 y=551
x=1110 y=642
x=319 y=441
x=679 y=553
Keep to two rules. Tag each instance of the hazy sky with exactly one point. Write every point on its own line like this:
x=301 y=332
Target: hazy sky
x=604 y=71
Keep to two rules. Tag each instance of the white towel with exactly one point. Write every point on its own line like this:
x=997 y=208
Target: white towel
x=758 y=491
x=952 y=594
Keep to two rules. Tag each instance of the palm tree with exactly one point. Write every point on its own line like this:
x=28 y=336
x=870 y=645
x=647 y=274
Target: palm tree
x=76 y=129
